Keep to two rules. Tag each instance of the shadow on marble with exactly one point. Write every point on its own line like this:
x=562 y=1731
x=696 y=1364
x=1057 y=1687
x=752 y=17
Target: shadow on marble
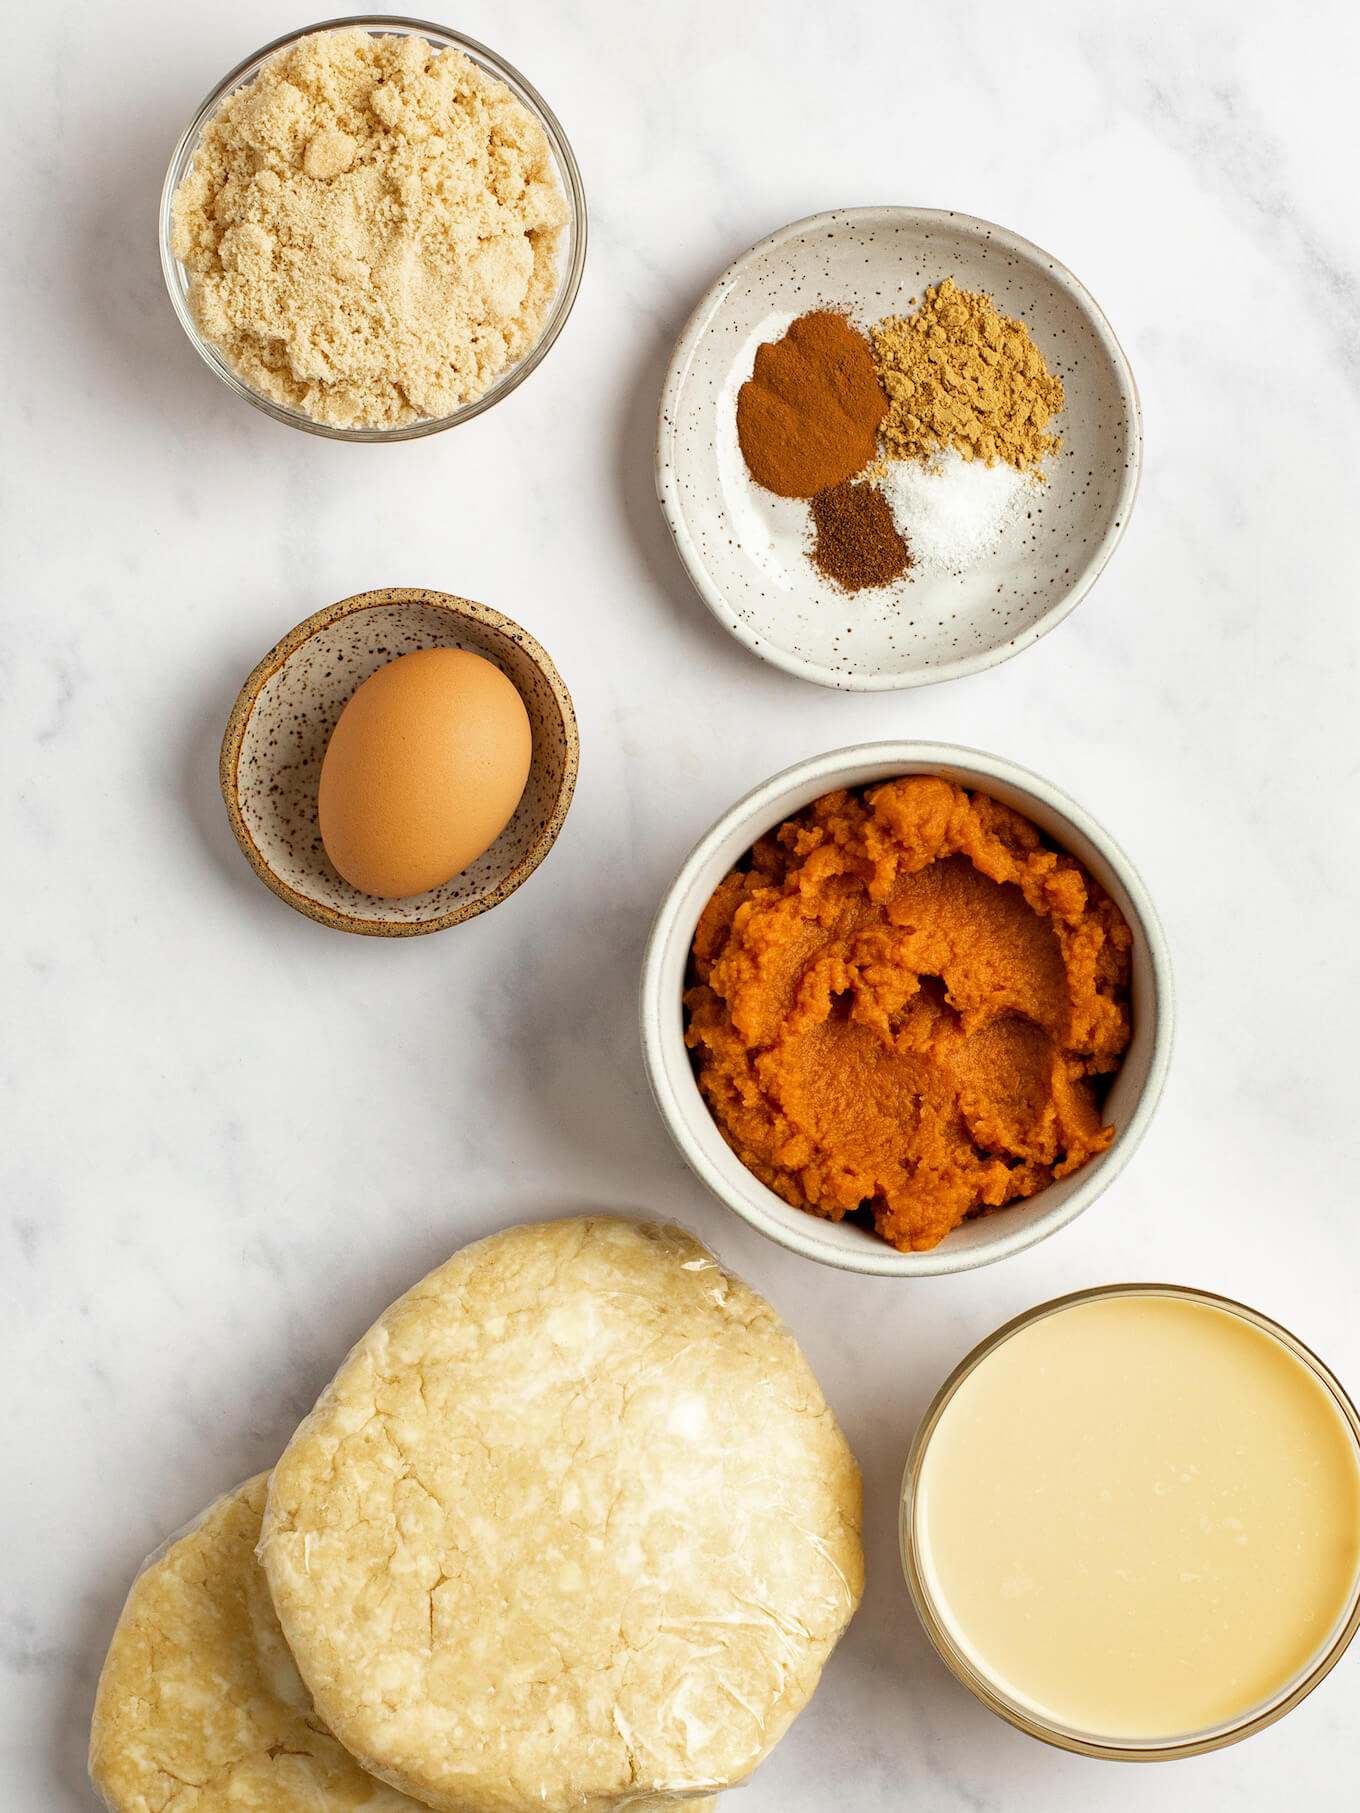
x=636 y=492
x=69 y=1739
x=137 y=357
x=898 y=1719
x=200 y=795
x=568 y=1051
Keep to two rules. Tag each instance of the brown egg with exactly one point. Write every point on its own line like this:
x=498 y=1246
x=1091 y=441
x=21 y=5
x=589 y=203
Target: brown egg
x=423 y=771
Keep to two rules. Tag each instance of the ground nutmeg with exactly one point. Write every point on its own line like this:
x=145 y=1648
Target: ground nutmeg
x=856 y=541
x=808 y=416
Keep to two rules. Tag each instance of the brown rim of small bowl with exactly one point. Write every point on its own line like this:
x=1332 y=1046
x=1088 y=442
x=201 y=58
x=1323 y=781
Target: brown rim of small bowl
x=468 y=610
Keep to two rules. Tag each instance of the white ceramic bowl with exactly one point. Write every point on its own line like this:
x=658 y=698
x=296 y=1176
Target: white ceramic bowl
x=1134 y=1090
x=745 y=549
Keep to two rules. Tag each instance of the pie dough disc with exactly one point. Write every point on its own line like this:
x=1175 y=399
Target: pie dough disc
x=571 y=1531
x=199 y=1707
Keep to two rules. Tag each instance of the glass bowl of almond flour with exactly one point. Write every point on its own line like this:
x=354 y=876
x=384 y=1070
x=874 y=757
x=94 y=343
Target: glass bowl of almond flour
x=367 y=241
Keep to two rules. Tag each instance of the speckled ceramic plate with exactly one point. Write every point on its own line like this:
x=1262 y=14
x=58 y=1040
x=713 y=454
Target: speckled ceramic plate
x=282 y=722
x=746 y=550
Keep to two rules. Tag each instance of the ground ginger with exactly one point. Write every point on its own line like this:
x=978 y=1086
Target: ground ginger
x=958 y=373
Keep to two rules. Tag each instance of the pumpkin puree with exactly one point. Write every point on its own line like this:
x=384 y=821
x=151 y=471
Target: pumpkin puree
x=901 y=1004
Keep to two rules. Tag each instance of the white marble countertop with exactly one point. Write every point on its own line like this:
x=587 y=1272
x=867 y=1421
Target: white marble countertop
x=233 y=1136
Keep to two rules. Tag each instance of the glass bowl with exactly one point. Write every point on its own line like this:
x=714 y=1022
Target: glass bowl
x=572 y=258
x=982 y=1681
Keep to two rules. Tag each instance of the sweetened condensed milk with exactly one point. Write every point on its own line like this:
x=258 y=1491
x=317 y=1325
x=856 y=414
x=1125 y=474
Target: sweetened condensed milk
x=1138 y=1517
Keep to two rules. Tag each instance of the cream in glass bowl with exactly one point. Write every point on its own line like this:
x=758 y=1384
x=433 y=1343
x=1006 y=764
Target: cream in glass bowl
x=1131 y=1522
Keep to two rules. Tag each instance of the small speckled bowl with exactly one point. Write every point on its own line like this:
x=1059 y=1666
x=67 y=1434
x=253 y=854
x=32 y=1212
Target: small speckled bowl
x=282 y=722
x=746 y=550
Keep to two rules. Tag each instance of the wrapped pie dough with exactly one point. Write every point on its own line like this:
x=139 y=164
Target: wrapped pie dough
x=572 y=1531
x=199 y=1707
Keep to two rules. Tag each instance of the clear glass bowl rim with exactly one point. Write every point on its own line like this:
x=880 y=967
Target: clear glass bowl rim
x=577 y=225
x=1195 y=1743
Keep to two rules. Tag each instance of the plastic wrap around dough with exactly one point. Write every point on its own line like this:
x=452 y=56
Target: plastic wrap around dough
x=200 y=1708
x=571 y=1531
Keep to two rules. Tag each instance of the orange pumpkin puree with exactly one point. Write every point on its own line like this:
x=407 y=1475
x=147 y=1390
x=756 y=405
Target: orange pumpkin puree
x=901 y=1003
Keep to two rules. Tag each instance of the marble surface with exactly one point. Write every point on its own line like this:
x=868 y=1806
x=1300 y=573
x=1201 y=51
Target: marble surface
x=232 y=1136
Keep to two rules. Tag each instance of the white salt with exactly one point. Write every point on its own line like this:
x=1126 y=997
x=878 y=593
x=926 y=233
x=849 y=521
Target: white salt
x=952 y=511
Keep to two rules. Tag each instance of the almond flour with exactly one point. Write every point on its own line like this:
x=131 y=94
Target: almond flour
x=371 y=229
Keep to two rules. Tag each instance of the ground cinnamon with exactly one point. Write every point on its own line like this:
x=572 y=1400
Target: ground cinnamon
x=808 y=416
x=857 y=543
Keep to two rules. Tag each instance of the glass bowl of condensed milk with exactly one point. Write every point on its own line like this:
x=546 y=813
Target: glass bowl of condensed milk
x=1131 y=1522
